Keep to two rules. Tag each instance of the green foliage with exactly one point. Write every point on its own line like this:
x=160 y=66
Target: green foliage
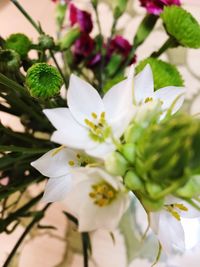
x=164 y=74
x=182 y=26
x=9 y=60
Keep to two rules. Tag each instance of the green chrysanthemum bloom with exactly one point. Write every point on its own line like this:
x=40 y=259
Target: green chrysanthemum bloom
x=9 y=60
x=19 y=43
x=43 y=80
x=164 y=74
x=182 y=26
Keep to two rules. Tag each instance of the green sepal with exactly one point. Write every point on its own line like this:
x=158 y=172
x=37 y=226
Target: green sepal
x=191 y=188
x=69 y=38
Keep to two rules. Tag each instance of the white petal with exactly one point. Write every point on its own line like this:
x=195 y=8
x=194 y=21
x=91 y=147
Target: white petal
x=101 y=150
x=57 y=188
x=73 y=139
x=170 y=94
x=154 y=221
x=57 y=116
x=171 y=234
x=143 y=85
x=83 y=99
x=55 y=164
x=92 y=217
x=117 y=100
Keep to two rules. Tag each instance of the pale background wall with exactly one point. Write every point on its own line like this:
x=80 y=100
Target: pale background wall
x=54 y=250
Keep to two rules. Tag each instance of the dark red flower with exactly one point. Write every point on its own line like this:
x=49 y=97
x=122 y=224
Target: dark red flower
x=156 y=6
x=81 y=17
x=84 y=46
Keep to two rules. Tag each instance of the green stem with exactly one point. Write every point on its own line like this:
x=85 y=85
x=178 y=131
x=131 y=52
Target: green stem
x=58 y=67
x=27 y=150
x=169 y=43
x=38 y=216
x=85 y=249
x=29 y=18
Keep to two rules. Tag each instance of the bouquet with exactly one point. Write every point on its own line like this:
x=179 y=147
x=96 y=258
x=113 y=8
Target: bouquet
x=102 y=128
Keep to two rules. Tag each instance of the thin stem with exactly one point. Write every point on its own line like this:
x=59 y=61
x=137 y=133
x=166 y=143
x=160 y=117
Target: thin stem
x=29 y=18
x=85 y=250
x=27 y=150
x=158 y=255
x=58 y=67
x=169 y=43
x=38 y=216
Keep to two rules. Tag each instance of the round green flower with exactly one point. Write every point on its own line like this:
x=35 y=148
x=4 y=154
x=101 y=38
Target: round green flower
x=43 y=80
x=9 y=60
x=182 y=26
x=19 y=43
x=164 y=74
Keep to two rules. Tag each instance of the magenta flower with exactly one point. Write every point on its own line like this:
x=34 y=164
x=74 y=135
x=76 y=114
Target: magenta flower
x=83 y=47
x=156 y=6
x=81 y=17
x=119 y=45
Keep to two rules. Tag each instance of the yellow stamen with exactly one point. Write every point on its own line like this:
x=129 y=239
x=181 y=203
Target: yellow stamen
x=148 y=99
x=94 y=115
x=71 y=163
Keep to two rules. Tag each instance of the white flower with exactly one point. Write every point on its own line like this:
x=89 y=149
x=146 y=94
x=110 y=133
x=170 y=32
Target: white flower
x=90 y=122
x=167 y=224
x=144 y=95
x=97 y=199
x=57 y=164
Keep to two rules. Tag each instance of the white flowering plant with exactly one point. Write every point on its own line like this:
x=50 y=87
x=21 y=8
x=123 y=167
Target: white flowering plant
x=102 y=132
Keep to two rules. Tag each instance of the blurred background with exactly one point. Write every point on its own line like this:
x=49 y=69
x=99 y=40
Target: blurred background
x=60 y=247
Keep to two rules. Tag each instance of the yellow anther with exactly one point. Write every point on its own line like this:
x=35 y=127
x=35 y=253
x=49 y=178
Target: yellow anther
x=103 y=194
x=148 y=99
x=180 y=207
x=71 y=163
x=94 y=115
x=78 y=156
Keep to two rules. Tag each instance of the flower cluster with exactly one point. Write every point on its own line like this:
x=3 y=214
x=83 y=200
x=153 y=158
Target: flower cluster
x=130 y=142
x=156 y=6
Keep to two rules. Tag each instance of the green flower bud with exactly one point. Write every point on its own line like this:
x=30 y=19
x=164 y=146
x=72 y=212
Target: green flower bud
x=167 y=153
x=181 y=25
x=19 y=43
x=60 y=14
x=191 y=188
x=116 y=164
x=153 y=189
x=152 y=205
x=43 y=80
x=70 y=37
x=164 y=74
x=132 y=181
x=128 y=151
x=46 y=41
x=120 y=7
x=9 y=60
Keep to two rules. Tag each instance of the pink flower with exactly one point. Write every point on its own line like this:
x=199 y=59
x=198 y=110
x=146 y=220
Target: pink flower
x=156 y=6
x=82 y=18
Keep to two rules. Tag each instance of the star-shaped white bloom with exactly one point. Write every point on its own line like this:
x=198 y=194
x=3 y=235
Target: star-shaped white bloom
x=97 y=199
x=91 y=122
x=145 y=98
x=57 y=164
x=167 y=224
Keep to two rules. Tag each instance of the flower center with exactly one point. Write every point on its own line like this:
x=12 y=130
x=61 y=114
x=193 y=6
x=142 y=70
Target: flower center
x=148 y=99
x=102 y=194
x=98 y=128
x=175 y=209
